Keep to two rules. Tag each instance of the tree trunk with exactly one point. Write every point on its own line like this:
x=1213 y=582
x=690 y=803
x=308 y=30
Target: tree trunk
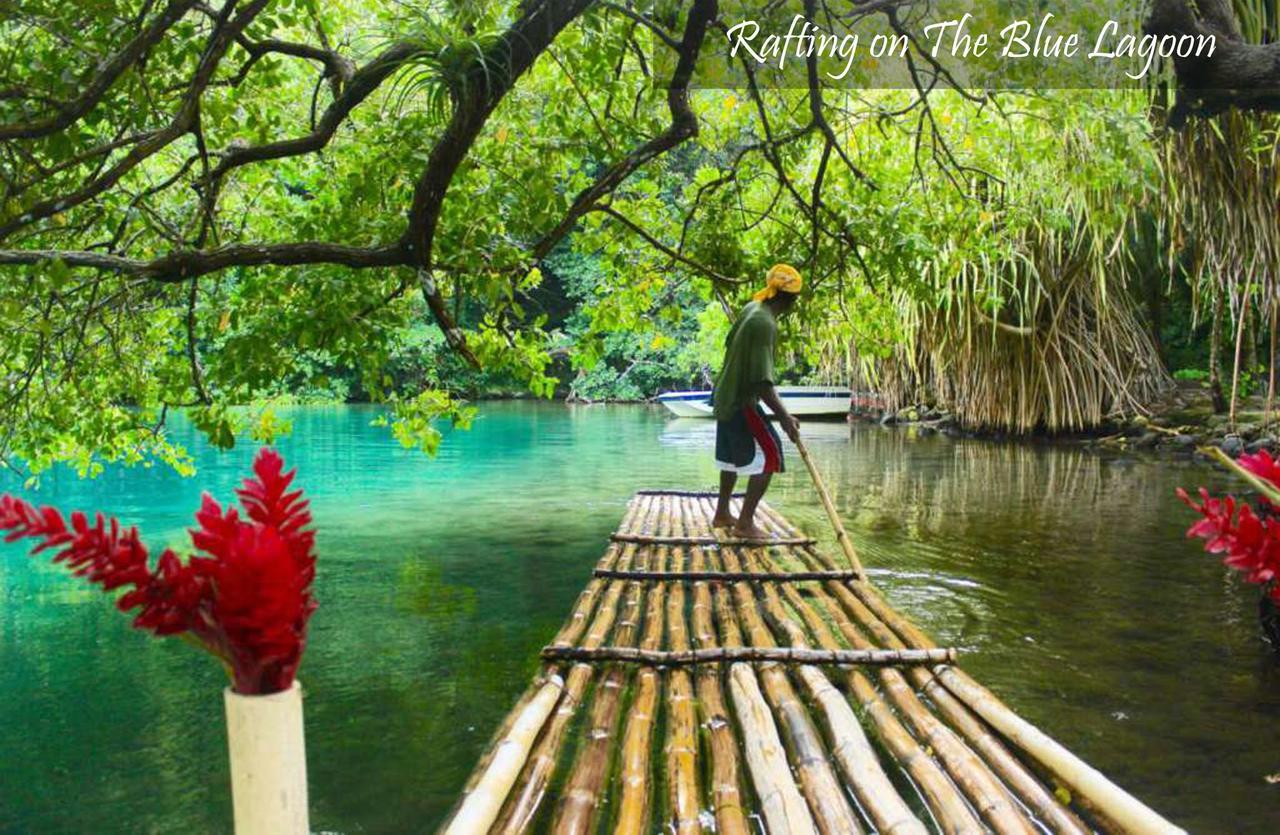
x=1271 y=368
x=1238 y=74
x=1215 y=355
x=1253 y=322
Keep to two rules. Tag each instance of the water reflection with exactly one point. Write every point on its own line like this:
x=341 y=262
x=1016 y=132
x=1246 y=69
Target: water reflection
x=1064 y=573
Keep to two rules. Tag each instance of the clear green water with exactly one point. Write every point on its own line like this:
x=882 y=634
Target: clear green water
x=1064 y=574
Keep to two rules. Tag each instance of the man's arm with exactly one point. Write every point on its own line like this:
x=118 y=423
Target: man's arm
x=769 y=394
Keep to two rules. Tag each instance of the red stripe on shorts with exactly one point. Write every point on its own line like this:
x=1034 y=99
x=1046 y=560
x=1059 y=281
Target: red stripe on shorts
x=764 y=438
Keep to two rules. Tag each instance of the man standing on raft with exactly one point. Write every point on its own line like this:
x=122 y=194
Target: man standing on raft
x=746 y=444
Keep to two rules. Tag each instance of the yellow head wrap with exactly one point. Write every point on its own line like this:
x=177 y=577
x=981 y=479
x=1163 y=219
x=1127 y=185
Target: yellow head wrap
x=782 y=278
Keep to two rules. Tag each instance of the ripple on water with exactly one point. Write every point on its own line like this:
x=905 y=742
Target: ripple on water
x=1063 y=575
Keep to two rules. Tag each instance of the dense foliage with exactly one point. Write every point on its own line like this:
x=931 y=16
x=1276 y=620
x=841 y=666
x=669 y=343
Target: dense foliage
x=221 y=208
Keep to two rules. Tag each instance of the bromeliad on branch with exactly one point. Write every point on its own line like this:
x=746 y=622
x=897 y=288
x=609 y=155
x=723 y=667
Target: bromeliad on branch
x=247 y=600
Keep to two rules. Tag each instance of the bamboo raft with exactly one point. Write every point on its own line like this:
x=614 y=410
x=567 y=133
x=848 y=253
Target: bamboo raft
x=706 y=684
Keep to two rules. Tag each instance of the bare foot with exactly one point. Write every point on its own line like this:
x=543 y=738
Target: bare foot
x=752 y=531
x=723 y=521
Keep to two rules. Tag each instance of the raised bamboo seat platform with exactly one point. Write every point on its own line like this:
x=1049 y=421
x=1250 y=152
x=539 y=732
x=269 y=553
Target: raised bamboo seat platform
x=703 y=684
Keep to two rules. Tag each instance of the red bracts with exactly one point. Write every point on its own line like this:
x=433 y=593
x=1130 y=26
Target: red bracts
x=246 y=598
x=1250 y=542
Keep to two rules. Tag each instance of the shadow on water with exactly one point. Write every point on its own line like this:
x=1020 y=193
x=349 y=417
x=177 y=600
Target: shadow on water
x=1063 y=573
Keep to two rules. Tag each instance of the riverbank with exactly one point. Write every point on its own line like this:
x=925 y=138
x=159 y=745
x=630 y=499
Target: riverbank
x=1182 y=424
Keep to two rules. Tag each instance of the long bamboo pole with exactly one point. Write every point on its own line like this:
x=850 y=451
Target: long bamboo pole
x=726 y=781
x=818 y=782
x=1025 y=785
x=501 y=767
x=576 y=811
x=1120 y=807
x=683 y=493
x=1102 y=797
x=781 y=803
x=950 y=810
x=842 y=536
x=580 y=800
x=850 y=747
x=527 y=795
x=780 y=800
x=634 y=805
x=989 y=796
x=681 y=749
x=481 y=807
x=1015 y=775
x=1115 y=805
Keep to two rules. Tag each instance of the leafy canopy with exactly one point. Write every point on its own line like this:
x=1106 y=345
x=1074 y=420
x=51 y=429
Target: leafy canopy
x=220 y=208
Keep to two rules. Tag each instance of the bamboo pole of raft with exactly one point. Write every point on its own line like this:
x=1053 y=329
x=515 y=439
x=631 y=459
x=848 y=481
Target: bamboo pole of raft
x=634 y=807
x=681 y=749
x=849 y=744
x=481 y=806
x=889 y=626
x=1103 y=797
x=527 y=795
x=499 y=769
x=580 y=799
x=726 y=783
x=582 y=609
x=818 y=782
x=846 y=544
x=781 y=803
x=1116 y=807
x=1024 y=784
x=1003 y=764
x=1120 y=807
x=986 y=793
x=950 y=810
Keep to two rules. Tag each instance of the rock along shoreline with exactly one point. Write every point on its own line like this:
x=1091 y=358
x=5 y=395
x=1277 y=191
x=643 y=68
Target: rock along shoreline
x=1178 y=431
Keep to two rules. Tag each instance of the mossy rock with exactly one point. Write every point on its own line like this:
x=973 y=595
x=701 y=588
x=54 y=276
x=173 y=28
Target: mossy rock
x=1232 y=445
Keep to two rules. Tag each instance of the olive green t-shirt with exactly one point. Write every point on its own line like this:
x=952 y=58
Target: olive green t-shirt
x=748 y=360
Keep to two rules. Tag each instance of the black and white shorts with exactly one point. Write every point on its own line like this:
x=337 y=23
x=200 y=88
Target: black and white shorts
x=747 y=443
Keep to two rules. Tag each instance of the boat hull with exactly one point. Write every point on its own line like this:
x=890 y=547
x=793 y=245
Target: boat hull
x=801 y=401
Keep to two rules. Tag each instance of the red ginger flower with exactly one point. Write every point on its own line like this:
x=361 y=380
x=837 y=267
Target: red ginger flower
x=1251 y=543
x=1262 y=465
x=247 y=601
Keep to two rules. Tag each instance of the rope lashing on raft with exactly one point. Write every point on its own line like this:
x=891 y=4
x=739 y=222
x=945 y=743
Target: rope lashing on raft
x=693 y=494
x=730 y=576
x=791 y=655
x=646 y=539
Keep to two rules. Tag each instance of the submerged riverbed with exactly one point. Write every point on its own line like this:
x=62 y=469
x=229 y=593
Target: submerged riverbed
x=1063 y=573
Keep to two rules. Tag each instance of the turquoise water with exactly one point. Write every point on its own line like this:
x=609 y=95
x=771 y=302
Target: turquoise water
x=1064 y=574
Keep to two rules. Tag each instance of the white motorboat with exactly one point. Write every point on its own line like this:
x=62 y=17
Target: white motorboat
x=801 y=401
